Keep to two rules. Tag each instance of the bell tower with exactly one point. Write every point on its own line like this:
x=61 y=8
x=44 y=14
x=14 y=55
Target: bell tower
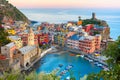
x=30 y=37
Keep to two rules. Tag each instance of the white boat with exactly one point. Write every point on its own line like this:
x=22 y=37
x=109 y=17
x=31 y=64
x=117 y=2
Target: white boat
x=90 y=60
x=82 y=56
x=68 y=78
x=99 y=65
x=69 y=67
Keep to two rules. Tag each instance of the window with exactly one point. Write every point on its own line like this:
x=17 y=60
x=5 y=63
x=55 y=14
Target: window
x=5 y=49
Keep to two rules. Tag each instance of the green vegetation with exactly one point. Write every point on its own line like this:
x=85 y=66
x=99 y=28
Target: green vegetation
x=31 y=76
x=9 y=11
x=3 y=37
x=113 y=53
x=44 y=46
x=91 y=21
x=96 y=32
x=34 y=76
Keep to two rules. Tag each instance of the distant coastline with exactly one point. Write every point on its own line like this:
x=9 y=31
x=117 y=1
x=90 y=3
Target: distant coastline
x=64 y=15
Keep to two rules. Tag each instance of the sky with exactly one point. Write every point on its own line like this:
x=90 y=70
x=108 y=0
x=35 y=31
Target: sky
x=66 y=3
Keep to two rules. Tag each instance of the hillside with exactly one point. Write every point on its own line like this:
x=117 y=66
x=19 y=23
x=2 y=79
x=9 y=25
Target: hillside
x=8 y=11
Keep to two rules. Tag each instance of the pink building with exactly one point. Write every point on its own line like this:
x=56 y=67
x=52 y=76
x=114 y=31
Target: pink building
x=90 y=43
x=87 y=44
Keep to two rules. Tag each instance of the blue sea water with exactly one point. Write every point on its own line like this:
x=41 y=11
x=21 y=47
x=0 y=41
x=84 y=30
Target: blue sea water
x=112 y=16
x=80 y=67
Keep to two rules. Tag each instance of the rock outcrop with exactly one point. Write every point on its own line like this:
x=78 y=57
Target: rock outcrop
x=11 y=13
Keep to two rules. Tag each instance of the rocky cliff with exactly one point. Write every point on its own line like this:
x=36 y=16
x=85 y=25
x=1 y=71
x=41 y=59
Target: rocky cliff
x=10 y=12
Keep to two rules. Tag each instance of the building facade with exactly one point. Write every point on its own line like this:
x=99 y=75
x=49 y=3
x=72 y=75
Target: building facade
x=28 y=55
x=87 y=44
x=17 y=40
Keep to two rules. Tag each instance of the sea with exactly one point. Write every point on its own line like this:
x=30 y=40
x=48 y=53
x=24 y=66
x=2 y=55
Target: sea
x=112 y=16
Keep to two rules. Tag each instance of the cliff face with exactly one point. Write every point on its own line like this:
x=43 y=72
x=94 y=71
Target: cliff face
x=9 y=12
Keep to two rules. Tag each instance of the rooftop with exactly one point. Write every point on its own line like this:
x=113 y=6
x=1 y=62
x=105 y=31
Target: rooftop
x=10 y=44
x=75 y=37
x=14 y=37
x=89 y=37
x=27 y=49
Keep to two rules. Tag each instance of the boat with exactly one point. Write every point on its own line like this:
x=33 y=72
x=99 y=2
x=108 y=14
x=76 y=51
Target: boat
x=99 y=65
x=95 y=63
x=69 y=67
x=72 y=54
x=68 y=78
x=90 y=60
x=78 y=55
x=63 y=72
x=60 y=65
x=87 y=58
x=82 y=56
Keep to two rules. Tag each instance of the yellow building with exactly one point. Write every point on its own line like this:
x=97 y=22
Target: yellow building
x=11 y=31
x=17 y=40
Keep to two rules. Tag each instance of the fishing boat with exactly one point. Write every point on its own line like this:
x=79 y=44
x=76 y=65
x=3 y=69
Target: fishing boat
x=69 y=67
x=63 y=72
x=72 y=54
x=90 y=60
x=60 y=65
x=82 y=56
x=99 y=65
x=78 y=55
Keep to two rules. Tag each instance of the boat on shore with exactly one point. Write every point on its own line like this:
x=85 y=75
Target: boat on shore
x=82 y=56
x=72 y=54
x=78 y=55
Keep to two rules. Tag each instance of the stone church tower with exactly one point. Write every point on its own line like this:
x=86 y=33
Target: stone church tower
x=30 y=37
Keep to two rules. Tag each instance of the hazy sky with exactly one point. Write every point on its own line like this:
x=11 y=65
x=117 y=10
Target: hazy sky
x=66 y=3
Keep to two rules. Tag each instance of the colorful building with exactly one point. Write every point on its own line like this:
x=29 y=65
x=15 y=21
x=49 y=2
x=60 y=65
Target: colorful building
x=28 y=55
x=84 y=43
x=11 y=31
x=28 y=37
x=17 y=40
x=43 y=38
x=7 y=52
x=73 y=42
x=60 y=39
x=35 y=37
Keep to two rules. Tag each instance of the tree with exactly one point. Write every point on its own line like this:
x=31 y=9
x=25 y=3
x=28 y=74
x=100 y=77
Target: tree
x=32 y=76
x=113 y=53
